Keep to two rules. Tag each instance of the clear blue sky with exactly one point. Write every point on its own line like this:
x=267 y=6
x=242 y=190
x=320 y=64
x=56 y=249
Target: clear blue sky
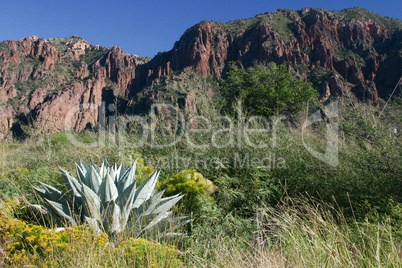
x=146 y=27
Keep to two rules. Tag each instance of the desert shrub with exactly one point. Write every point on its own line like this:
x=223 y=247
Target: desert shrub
x=143 y=171
x=368 y=171
x=268 y=90
x=29 y=244
x=197 y=190
x=241 y=194
x=143 y=253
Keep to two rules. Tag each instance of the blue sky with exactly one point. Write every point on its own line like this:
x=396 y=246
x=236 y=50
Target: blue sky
x=146 y=27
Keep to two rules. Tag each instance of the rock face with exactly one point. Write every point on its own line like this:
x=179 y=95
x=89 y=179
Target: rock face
x=340 y=50
x=6 y=121
x=72 y=108
x=61 y=82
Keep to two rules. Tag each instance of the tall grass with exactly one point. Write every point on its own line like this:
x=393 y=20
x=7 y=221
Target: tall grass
x=257 y=217
x=301 y=232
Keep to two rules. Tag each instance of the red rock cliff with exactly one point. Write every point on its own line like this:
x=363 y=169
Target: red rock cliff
x=338 y=51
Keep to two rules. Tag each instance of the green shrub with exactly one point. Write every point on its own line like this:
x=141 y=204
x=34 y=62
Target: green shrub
x=143 y=253
x=267 y=91
x=195 y=187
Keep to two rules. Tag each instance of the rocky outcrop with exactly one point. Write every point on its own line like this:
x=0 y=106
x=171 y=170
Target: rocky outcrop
x=9 y=92
x=31 y=46
x=83 y=72
x=36 y=81
x=78 y=48
x=63 y=81
x=355 y=49
x=120 y=69
x=74 y=108
x=6 y=121
x=204 y=47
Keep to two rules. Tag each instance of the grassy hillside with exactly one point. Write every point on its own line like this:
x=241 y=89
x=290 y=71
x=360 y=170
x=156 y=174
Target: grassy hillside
x=278 y=206
x=349 y=14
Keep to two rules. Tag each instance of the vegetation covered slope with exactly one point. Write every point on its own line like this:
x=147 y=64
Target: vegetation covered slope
x=274 y=206
x=340 y=51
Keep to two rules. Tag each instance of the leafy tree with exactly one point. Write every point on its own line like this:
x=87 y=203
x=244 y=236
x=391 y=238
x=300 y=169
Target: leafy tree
x=266 y=90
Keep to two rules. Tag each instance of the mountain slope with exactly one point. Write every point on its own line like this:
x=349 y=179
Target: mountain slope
x=47 y=80
x=348 y=48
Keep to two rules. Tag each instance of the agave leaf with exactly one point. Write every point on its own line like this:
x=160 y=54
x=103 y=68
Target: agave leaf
x=111 y=171
x=110 y=212
x=121 y=180
x=145 y=210
x=125 y=198
x=80 y=173
x=150 y=205
x=158 y=218
x=141 y=219
x=178 y=222
x=40 y=191
x=62 y=210
x=91 y=222
x=88 y=177
x=108 y=190
x=144 y=192
x=40 y=208
x=104 y=168
x=125 y=201
x=166 y=203
x=55 y=195
x=49 y=192
x=137 y=224
x=91 y=164
x=84 y=166
x=96 y=179
x=91 y=202
x=127 y=178
x=73 y=186
x=169 y=236
x=165 y=226
x=120 y=171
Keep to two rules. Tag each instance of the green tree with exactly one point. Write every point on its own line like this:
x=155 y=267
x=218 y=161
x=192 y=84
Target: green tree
x=266 y=90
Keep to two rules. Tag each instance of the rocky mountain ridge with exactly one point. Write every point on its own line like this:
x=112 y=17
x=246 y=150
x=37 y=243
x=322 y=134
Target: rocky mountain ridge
x=45 y=80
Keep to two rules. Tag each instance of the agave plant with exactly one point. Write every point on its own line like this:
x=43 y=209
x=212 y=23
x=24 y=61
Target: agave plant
x=109 y=200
